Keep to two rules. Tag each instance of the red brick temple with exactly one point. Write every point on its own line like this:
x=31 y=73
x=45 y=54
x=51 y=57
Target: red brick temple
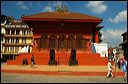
x=63 y=31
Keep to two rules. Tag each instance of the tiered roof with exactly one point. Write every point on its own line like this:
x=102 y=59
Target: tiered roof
x=61 y=16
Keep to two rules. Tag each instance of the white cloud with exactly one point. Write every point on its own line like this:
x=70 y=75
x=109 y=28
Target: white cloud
x=97 y=6
x=51 y=6
x=47 y=9
x=120 y=17
x=22 y=5
x=113 y=36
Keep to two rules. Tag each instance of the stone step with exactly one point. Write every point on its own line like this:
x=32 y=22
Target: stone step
x=43 y=58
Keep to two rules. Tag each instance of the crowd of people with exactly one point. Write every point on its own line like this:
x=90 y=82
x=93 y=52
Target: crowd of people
x=113 y=57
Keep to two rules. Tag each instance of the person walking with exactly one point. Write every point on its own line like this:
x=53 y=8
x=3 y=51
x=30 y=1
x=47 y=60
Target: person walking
x=124 y=69
x=32 y=62
x=110 y=68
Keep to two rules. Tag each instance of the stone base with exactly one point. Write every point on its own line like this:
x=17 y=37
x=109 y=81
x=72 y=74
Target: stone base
x=52 y=62
x=73 y=63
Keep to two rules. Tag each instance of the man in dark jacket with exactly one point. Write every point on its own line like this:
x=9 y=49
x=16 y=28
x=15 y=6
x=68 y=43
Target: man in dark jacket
x=32 y=62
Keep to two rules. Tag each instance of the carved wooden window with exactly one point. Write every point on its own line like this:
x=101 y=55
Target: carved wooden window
x=62 y=41
x=7 y=32
x=23 y=40
x=16 y=49
x=11 y=49
x=80 y=42
x=44 y=41
x=17 y=40
x=71 y=41
x=53 y=42
x=13 y=32
x=6 y=49
x=12 y=40
x=7 y=40
x=17 y=32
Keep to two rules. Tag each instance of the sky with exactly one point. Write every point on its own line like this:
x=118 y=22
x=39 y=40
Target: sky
x=113 y=13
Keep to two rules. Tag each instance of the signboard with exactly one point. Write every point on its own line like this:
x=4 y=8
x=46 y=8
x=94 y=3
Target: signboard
x=24 y=49
x=101 y=48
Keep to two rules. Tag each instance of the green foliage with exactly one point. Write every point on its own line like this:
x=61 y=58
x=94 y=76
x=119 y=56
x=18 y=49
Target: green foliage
x=100 y=34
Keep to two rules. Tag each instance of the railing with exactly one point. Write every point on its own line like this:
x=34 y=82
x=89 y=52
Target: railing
x=12 y=26
x=18 y=26
x=10 y=53
x=7 y=26
x=10 y=44
x=18 y=21
x=18 y=35
x=24 y=26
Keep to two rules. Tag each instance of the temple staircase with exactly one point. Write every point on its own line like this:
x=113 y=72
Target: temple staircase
x=62 y=58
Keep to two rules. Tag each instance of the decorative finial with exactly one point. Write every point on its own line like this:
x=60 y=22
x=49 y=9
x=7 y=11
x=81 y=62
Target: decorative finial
x=61 y=8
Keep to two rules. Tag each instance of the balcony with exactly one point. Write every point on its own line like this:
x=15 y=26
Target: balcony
x=19 y=21
x=10 y=52
x=12 y=26
x=18 y=26
x=24 y=26
x=28 y=36
x=7 y=26
x=16 y=44
x=15 y=20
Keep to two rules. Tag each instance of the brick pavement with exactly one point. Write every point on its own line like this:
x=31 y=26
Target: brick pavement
x=58 y=70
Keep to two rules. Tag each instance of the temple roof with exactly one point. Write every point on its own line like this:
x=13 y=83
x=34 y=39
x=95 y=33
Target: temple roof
x=99 y=27
x=61 y=15
x=124 y=33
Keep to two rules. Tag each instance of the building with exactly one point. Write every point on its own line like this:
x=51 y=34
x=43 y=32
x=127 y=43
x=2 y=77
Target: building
x=15 y=35
x=2 y=38
x=62 y=31
x=124 y=45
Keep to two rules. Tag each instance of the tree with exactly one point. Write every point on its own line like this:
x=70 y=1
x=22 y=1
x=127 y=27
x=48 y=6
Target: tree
x=99 y=35
x=3 y=18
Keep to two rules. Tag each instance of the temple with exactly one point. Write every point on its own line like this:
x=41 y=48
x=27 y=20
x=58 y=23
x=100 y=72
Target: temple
x=64 y=31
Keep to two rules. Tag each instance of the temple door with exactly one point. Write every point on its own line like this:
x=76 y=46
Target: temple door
x=80 y=42
x=70 y=43
x=44 y=42
x=62 y=58
x=53 y=41
x=62 y=42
